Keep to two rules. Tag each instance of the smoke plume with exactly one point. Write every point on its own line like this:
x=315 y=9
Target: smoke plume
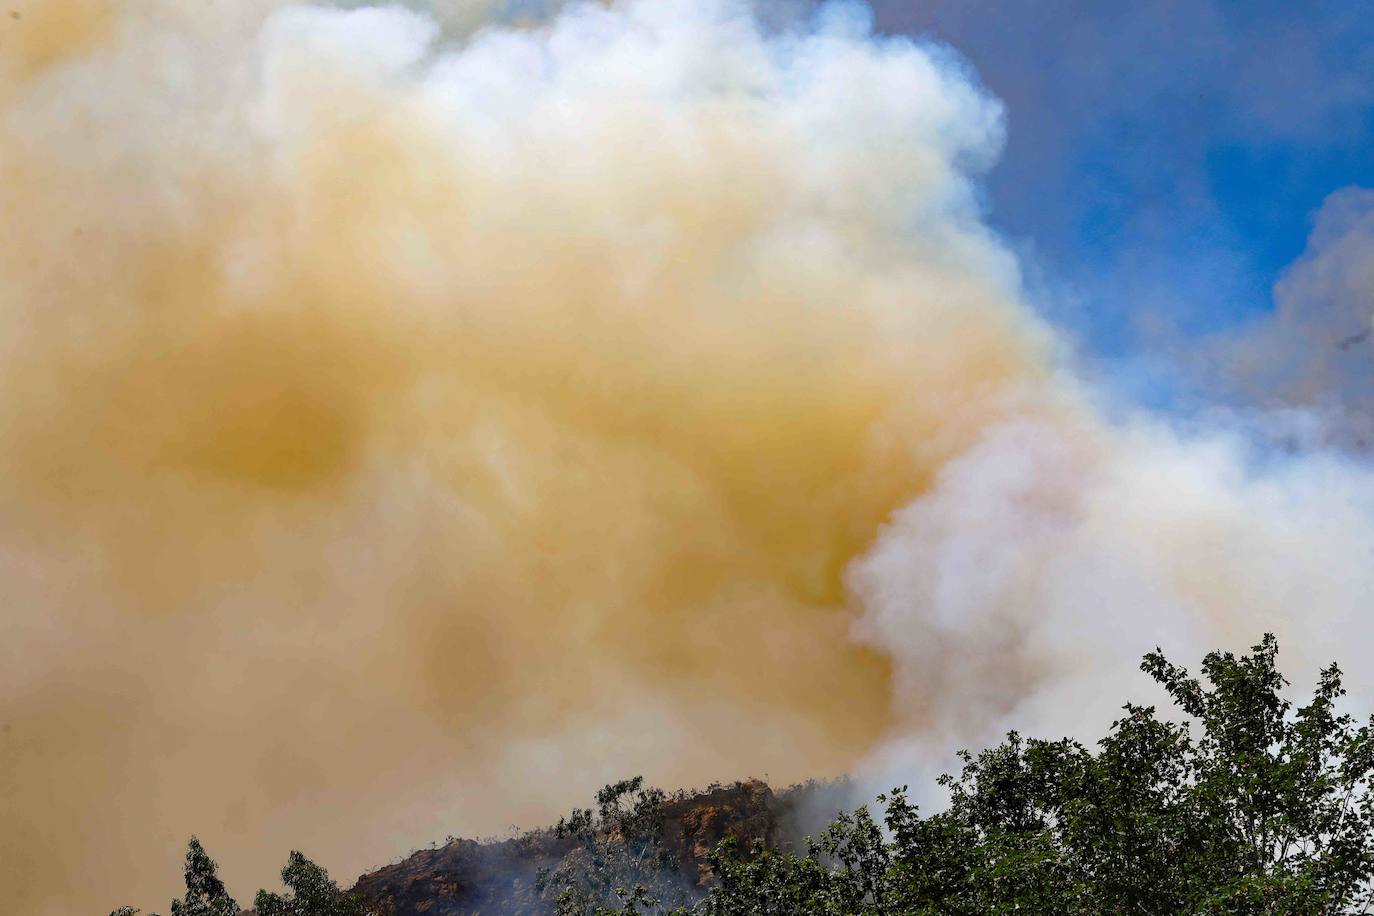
x=416 y=417
x=1315 y=353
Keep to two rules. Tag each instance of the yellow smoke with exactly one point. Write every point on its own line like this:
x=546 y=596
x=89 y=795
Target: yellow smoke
x=407 y=426
x=41 y=35
x=402 y=439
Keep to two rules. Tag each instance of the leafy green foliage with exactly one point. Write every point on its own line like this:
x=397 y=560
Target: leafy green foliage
x=312 y=893
x=1247 y=807
x=205 y=893
x=617 y=857
x=1267 y=811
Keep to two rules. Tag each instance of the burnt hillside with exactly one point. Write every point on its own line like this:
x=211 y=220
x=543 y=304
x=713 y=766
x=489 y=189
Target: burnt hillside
x=467 y=877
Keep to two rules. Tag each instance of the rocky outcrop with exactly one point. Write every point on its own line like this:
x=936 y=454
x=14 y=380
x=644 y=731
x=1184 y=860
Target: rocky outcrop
x=468 y=878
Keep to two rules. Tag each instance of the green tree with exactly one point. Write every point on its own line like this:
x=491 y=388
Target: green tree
x=1239 y=804
x=205 y=893
x=313 y=893
x=617 y=863
x=1268 y=810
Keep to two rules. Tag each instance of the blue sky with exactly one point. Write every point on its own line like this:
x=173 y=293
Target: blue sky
x=1165 y=159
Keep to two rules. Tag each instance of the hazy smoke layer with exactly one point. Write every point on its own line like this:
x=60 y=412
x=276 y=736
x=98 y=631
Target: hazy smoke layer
x=1316 y=351
x=408 y=426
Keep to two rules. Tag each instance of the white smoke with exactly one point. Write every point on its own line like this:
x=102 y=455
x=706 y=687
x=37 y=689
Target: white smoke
x=416 y=416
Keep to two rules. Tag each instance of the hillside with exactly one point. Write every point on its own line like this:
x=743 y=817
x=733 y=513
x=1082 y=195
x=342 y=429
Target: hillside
x=1242 y=803
x=466 y=877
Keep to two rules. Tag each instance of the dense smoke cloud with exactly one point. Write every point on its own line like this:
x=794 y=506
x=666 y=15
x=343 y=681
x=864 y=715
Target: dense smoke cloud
x=410 y=425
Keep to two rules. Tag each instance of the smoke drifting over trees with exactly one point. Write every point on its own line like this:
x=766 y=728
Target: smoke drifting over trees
x=399 y=412
x=1249 y=805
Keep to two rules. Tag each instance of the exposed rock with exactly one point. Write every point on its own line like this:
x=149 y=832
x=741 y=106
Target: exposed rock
x=468 y=878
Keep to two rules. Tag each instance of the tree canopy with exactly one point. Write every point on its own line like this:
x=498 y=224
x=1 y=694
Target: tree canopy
x=311 y=892
x=1246 y=806
x=1236 y=803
